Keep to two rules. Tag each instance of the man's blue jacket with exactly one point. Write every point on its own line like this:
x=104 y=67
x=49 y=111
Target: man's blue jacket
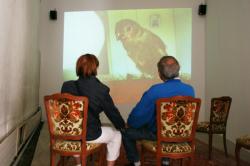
x=144 y=113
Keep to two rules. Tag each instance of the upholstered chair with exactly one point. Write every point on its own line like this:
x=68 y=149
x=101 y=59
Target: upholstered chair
x=67 y=120
x=241 y=142
x=218 y=121
x=176 y=124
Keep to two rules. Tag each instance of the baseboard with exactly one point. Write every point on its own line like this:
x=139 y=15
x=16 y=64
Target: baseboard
x=25 y=145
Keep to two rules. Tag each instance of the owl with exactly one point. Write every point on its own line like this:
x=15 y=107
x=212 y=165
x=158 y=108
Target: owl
x=143 y=46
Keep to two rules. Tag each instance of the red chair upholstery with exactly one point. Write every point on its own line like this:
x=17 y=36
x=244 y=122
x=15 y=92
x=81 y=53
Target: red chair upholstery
x=176 y=124
x=67 y=121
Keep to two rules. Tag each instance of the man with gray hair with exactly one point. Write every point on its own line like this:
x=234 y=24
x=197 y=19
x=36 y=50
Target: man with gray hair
x=142 y=119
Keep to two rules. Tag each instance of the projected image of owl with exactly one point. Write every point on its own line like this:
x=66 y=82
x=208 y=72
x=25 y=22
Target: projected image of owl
x=143 y=46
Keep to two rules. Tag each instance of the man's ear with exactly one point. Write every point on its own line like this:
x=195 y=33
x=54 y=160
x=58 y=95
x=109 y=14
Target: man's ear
x=160 y=76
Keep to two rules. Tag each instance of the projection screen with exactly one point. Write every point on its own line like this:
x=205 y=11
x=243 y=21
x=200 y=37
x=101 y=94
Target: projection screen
x=128 y=44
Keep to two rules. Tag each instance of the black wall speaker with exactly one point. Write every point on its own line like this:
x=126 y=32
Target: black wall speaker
x=53 y=15
x=202 y=10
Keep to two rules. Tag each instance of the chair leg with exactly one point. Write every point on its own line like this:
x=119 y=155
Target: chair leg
x=191 y=160
x=237 y=154
x=142 y=155
x=225 y=144
x=52 y=158
x=61 y=161
x=102 y=156
x=83 y=158
x=181 y=161
x=210 y=144
x=158 y=160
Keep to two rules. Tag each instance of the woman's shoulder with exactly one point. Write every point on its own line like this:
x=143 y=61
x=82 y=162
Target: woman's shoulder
x=69 y=82
x=102 y=86
x=69 y=87
x=94 y=84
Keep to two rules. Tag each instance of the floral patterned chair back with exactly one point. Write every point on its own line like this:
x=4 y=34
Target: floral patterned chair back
x=219 y=113
x=67 y=121
x=176 y=124
x=177 y=118
x=66 y=115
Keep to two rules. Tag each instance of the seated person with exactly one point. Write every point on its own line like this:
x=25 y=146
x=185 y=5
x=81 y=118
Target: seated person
x=99 y=100
x=142 y=120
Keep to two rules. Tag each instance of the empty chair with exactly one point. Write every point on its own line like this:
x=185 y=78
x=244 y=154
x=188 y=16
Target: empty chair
x=176 y=124
x=218 y=121
x=67 y=120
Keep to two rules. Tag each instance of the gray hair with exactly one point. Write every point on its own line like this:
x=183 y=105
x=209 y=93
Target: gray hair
x=168 y=68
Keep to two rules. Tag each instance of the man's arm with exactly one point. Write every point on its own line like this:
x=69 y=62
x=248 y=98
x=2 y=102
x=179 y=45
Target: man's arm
x=143 y=112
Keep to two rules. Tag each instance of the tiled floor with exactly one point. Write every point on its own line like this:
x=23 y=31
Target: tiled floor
x=41 y=157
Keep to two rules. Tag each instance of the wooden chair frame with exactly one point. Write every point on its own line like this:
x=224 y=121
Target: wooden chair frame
x=84 y=153
x=238 y=147
x=224 y=99
x=161 y=139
